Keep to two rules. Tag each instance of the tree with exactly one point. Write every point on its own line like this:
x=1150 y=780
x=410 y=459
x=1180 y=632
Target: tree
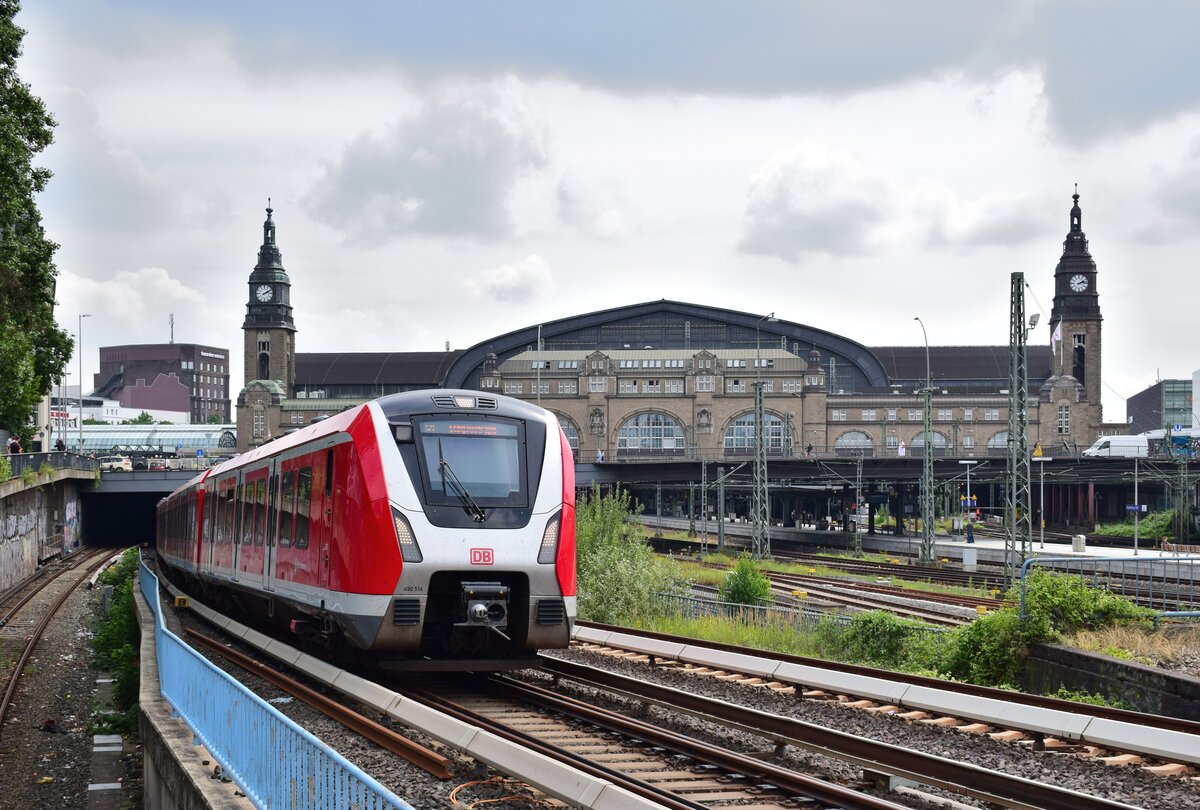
x=142 y=418
x=33 y=350
x=213 y=419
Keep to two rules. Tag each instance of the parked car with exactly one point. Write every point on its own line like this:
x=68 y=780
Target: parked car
x=160 y=464
x=139 y=463
x=115 y=464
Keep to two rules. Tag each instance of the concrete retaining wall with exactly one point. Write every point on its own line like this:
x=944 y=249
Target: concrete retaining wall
x=1146 y=689
x=37 y=521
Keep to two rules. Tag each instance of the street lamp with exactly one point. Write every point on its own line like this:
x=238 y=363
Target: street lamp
x=1042 y=502
x=926 y=555
x=79 y=348
x=970 y=463
x=762 y=537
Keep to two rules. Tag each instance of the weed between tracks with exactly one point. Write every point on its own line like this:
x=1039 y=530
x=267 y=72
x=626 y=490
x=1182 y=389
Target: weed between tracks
x=116 y=643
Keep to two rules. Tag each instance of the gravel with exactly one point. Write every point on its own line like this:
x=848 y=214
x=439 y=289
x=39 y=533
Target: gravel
x=46 y=741
x=1130 y=785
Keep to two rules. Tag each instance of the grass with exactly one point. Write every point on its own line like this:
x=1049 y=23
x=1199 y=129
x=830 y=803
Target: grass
x=1132 y=642
x=774 y=636
x=705 y=575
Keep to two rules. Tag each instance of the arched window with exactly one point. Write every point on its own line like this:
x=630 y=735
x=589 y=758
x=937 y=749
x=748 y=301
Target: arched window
x=651 y=433
x=852 y=443
x=572 y=432
x=937 y=441
x=739 y=436
x=997 y=444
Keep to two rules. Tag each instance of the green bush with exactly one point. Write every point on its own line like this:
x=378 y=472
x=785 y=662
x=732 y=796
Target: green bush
x=878 y=637
x=5 y=470
x=619 y=574
x=117 y=639
x=1070 y=605
x=991 y=650
x=745 y=584
x=1150 y=528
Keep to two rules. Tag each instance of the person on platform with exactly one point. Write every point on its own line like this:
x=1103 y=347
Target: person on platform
x=14 y=445
x=970 y=530
x=60 y=445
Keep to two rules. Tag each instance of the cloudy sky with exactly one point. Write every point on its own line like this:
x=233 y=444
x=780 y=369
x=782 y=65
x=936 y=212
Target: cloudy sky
x=450 y=171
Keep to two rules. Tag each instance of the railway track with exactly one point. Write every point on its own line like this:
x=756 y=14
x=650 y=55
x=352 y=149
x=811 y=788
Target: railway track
x=573 y=725
x=30 y=608
x=839 y=681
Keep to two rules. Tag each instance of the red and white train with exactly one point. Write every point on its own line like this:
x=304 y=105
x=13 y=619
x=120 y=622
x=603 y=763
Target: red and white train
x=430 y=526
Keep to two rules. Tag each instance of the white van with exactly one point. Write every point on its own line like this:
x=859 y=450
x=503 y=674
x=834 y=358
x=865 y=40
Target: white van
x=1119 y=447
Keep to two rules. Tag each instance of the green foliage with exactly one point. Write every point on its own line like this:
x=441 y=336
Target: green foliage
x=116 y=640
x=1150 y=528
x=619 y=574
x=28 y=476
x=33 y=350
x=992 y=649
x=142 y=418
x=745 y=584
x=877 y=637
x=1069 y=604
x=5 y=469
x=46 y=469
x=1087 y=697
x=91 y=420
x=213 y=419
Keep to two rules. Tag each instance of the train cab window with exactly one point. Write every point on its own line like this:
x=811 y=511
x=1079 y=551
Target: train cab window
x=303 y=502
x=287 y=498
x=479 y=459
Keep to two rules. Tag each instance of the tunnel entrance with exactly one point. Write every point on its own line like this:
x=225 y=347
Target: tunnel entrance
x=118 y=519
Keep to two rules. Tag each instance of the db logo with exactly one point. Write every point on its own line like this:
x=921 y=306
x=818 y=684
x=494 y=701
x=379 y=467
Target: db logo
x=483 y=556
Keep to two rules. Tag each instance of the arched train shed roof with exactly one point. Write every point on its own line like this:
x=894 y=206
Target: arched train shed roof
x=667 y=325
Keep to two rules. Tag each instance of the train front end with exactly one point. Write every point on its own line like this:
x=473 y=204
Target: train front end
x=482 y=495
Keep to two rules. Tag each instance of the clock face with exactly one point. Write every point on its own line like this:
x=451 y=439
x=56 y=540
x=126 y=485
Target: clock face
x=263 y=293
x=1078 y=283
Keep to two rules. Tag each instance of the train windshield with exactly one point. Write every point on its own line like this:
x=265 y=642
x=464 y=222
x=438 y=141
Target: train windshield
x=479 y=460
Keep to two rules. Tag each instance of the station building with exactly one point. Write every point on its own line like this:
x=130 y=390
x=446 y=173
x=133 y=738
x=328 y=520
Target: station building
x=671 y=378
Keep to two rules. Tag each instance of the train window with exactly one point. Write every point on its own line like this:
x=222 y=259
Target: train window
x=303 y=500
x=230 y=507
x=208 y=517
x=465 y=458
x=328 y=472
x=286 y=507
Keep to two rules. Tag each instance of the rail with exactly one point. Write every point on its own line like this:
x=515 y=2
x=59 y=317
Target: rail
x=236 y=726
x=1177 y=579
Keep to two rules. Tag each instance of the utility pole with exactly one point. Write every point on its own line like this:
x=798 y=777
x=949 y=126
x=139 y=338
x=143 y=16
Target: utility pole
x=926 y=554
x=762 y=498
x=858 y=464
x=1018 y=526
x=720 y=509
x=703 y=507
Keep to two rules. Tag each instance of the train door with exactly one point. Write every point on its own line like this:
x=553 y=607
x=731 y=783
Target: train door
x=321 y=514
x=271 y=530
x=240 y=506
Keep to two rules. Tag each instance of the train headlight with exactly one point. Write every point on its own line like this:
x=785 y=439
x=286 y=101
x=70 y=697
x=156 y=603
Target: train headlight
x=409 y=550
x=549 y=550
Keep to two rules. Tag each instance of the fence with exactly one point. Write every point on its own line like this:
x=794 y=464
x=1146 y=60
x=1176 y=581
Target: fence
x=1168 y=585
x=276 y=763
x=58 y=460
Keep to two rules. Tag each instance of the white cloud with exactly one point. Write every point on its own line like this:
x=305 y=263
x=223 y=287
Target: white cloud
x=523 y=282
x=448 y=170
x=810 y=198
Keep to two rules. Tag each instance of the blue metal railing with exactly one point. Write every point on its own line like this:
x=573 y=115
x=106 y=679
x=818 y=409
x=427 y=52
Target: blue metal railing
x=276 y=763
x=1164 y=584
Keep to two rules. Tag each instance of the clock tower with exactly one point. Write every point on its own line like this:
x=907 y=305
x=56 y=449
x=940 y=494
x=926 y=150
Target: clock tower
x=1075 y=316
x=270 y=348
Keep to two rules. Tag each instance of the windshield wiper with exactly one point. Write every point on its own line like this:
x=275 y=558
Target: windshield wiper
x=473 y=509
